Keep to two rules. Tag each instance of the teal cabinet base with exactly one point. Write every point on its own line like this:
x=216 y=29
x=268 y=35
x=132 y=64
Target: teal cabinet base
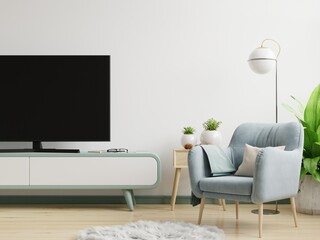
x=129 y=197
x=100 y=171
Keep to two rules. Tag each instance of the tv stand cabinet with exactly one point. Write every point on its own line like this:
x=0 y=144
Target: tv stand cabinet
x=125 y=171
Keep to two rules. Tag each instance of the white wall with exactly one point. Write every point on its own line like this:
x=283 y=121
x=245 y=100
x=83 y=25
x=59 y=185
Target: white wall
x=175 y=63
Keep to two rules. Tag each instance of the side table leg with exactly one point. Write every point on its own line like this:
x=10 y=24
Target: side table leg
x=175 y=188
x=129 y=198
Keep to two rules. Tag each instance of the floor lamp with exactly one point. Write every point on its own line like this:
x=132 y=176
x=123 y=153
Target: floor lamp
x=262 y=60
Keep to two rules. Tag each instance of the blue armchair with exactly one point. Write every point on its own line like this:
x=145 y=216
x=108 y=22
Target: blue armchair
x=275 y=174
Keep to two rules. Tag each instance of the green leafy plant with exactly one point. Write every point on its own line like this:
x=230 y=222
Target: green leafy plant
x=211 y=124
x=309 y=117
x=188 y=130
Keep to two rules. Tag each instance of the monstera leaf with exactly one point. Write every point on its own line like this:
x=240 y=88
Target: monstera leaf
x=312 y=110
x=309 y=117
x=310 y=165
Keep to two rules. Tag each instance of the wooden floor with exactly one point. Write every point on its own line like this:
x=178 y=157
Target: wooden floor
x=65 y=221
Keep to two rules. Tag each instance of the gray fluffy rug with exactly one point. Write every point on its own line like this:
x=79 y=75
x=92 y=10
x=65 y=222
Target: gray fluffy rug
x=153 y=230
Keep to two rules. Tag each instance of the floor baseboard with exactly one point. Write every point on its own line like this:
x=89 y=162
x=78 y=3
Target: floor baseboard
x=101 y=200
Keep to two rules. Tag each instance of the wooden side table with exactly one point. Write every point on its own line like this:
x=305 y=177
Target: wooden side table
x=180 y=160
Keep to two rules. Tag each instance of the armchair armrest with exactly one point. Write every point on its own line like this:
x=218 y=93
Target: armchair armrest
x=276 y=175
x=198 y=168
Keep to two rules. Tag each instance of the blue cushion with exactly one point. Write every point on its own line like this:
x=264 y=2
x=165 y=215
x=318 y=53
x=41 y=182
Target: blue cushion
x=227 y=185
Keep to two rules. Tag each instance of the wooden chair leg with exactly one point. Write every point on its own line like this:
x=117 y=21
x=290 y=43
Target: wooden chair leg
x=203 y=200
x=260 y=219
x=294 y=212
x=223 y=204
x=237 y=210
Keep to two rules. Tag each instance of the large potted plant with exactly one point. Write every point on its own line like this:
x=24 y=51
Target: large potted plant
x=309 y=116
x=210 y=134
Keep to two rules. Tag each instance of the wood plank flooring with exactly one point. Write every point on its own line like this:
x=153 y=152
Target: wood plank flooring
x=50 y=222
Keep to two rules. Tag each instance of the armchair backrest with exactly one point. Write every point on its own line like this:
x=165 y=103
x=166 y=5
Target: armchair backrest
x=263 y=135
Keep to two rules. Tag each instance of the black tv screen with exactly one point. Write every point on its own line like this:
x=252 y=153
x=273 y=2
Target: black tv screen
x=55 y=98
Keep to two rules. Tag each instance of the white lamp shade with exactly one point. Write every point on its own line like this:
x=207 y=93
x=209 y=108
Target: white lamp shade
x=261 y=60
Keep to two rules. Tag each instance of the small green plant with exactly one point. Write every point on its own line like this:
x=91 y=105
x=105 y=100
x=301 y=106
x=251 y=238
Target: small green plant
x=188 y=130
x=211 y=124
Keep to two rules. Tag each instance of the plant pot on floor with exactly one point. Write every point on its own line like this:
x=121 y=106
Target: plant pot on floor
x=307 y=200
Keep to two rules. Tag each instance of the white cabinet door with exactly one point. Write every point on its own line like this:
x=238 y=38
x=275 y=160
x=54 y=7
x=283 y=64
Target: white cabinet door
x=14 y=171
x=118 y=171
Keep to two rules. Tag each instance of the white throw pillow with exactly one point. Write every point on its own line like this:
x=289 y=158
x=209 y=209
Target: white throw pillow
x=247 y=166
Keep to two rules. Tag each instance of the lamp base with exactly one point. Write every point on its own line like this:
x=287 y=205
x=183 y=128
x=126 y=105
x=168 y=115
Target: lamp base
x=266 y=211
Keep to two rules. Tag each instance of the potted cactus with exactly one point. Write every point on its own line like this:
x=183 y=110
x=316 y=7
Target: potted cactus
x=188 y=139
x=210 y=134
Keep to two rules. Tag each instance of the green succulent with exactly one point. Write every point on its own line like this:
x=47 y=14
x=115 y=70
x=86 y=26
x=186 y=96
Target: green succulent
x=211 y=124
x=188 y=130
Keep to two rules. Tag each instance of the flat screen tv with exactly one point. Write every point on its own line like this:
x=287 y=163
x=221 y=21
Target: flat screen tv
x=54 y=98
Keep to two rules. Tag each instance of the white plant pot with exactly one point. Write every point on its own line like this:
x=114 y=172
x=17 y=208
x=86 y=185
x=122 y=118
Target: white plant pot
x=210 y=137
x=307 y=200
x=187 y=139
